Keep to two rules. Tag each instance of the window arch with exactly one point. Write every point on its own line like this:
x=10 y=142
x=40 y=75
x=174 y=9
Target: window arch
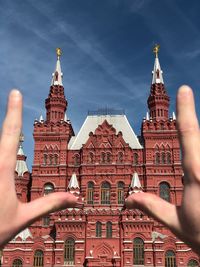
x=170 y=259
x=38 y=258
x=105 y=193
x=120 y=192
x=109 y=229
x=157 y=158
x=168 y=158
x=98 y=229
x=164 y=189
x=135 y=158
x=45 y=159
x=69 y=251
x=48 y=188
x=138 y=251
x=91 y=157
x=120 y=157
x=163 y=158
x=90 y=193
x=17 y=263
x=192 y=263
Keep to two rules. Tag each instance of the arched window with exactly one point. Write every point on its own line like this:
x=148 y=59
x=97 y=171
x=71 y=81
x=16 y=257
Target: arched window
x=76 y=159
x=90 y=193
x=108 y=157
x=120 y=192
x=69 y=251
x=170 y=259
x=168 y=159
x=120 y=157
x=138 y=251
x=164 y=191
x=38 y=258
x=135 y=158
x=157 y=158
x=17 y=263
x=98 y=229
x=48 y=188
x=91 y=157
x=109 y=230
x=105 y=193
x=45 y=159
x=56 y=159
x=103 y=157
x=193 y=263
x=163 y=159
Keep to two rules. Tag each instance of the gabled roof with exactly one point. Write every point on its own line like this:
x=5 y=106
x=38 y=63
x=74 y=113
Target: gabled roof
x=24 y=234
x=119 y=122
x=73 y=183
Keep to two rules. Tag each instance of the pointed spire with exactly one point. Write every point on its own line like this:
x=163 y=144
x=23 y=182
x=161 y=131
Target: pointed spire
x=147 y=116
x=157 y=72
x=135 y=186
x=57 y=75
x=73 y=183
x=21 y=166
x=65 y=117
x=173 y=116
x=41 y=118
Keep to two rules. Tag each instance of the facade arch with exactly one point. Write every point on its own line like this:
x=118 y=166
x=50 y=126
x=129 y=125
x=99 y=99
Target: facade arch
x=90 y=192
x=105 y=193
x=120 y=192
x=138 y=251
x=109 y=229
x=164 y=191
x=69 y=251
x=38 y=260
x=48 y=188
x=98 y=229
x=17 y=263
x=192 y=263
x=170 y=258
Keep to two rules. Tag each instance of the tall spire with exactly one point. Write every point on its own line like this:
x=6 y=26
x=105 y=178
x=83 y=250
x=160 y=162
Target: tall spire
x=21 y=166
x=158 y=100
x=56 y=104
x=57 y=75
x=157 y=72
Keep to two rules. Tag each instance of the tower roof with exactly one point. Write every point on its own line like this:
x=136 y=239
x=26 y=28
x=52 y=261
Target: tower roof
x=157 y=72
x=119 y=122
x=57 y=75
x=73 y=183
x=135 y=183
x=21 y=166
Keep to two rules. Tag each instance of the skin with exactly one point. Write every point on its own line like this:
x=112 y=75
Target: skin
x=15 y=215
x=183 y=221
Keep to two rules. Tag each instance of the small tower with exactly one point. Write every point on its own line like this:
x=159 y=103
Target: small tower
x=56 y=104
x=158 y=101
x=135 y=186
x=22 y=174
x=73 y=186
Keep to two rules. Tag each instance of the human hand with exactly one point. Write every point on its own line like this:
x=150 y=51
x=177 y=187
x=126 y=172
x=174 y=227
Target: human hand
x=183 y=221
x=15 y=215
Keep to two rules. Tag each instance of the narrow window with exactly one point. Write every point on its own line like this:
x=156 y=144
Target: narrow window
x=55 y=159
x=45 y=159
x=69 y=252
x=90 y=193
x=46 y=221
x=120 y=192
x=109 y=157
x=48 y=188
x=169 y=158
x=17 y=263
x=103 y=157
x=105 y=193
x=91 y=158
x=164 y=191
x=98 y=229
x=170 y=259
x=76 y=160
x=138 y=251
x=163 y=159
x=50 y=159
x=109 y=229
x=157 y=158
x=120 y=157
x=38 y=258
x=135 y=158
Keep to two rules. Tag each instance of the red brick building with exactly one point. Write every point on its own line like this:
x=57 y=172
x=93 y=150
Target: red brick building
x=103 y=163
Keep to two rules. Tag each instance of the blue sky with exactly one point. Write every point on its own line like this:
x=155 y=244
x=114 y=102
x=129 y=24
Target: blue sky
x=107 y=54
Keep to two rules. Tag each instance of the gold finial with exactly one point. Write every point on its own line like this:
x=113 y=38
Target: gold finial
x=58 y=52
x=156 y=49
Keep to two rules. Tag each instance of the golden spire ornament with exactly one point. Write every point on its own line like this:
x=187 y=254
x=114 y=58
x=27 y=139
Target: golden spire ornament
x=58 y=52
x=156 y=49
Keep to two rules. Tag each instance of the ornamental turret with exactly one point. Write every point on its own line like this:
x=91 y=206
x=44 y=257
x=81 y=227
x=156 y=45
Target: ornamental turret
x=158 y=101
x=56 y=104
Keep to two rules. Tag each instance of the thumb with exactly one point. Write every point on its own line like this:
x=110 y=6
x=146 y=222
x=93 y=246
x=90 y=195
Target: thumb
x=39 y=207
x=154 y=206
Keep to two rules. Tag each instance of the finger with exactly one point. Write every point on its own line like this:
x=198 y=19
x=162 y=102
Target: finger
x=29 y=212
x=155 y=207
x=11 y=129
x=188 y=128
